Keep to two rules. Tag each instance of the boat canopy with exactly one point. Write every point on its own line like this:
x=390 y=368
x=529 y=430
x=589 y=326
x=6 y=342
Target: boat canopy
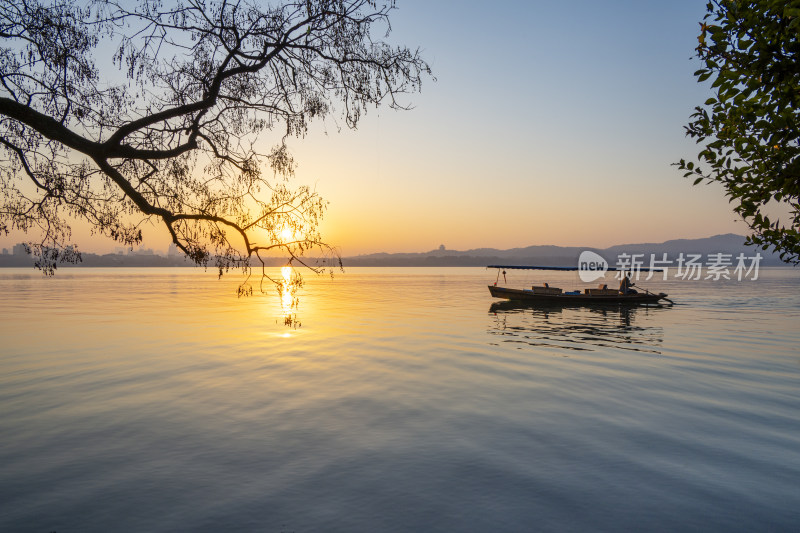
x=611 y=269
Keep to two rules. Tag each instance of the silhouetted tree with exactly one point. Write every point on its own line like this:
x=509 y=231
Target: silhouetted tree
x=120 y=113
x=751 y=127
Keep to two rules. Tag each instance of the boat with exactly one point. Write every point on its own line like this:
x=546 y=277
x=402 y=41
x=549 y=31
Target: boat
x=555 y=296
x=572 y=298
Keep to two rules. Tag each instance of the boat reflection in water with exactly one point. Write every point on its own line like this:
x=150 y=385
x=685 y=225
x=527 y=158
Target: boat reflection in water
x=583 y=328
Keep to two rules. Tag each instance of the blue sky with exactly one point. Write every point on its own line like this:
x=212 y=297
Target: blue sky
x=548 y=125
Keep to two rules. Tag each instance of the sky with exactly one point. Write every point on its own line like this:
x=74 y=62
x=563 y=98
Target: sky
x=545 y=125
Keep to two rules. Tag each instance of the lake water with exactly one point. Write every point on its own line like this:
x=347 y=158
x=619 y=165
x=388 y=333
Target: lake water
x=155 y=400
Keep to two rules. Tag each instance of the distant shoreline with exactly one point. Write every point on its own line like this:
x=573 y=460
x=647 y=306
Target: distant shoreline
x=730 y=245
x=164 y=262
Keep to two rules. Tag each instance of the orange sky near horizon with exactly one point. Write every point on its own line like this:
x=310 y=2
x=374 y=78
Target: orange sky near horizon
x=527 y=138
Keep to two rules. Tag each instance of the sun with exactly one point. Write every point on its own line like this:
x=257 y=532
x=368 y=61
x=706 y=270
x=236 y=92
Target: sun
x=287 y=234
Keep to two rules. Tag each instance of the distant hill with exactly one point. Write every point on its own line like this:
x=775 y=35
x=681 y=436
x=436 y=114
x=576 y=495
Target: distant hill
x=545 y=255
x=567 y=255
x=116 y=260
x=107 y=260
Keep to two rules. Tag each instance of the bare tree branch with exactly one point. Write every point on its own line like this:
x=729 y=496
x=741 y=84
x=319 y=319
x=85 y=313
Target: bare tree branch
x=171 y=136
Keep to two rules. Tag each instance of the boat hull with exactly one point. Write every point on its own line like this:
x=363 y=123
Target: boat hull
x=574 y=299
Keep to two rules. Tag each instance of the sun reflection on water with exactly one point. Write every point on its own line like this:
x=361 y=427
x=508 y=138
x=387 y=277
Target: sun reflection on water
x=288 y=287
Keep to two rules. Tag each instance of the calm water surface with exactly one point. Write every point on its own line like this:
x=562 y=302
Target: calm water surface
x=155 y=400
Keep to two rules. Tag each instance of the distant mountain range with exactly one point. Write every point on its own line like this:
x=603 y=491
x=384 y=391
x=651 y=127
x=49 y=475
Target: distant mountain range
x=567 y=255
x=106 y=260
x=532 y=255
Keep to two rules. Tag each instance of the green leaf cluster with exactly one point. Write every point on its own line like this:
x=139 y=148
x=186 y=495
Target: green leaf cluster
x=750 y=129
